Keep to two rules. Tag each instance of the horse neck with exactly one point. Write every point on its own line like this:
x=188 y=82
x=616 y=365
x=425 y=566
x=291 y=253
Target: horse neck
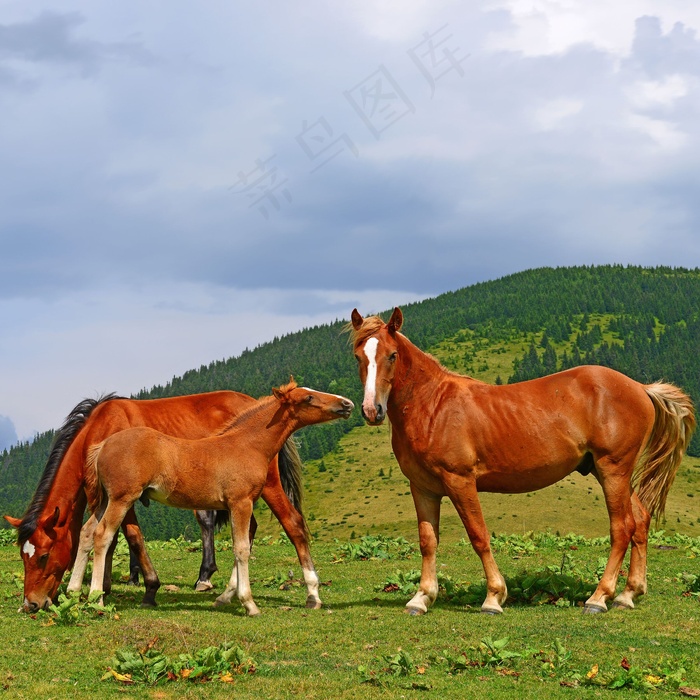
x=65 y=491
x=266 y=427
x=416 y=372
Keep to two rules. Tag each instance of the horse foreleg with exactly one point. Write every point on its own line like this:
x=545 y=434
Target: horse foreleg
x=82 y=555
x=240 y=580
x=104 y=534
x=428 y=512
x=637 y=576
x=294 y=525
x=137 y=545
x=622 y=528
x=464 y=496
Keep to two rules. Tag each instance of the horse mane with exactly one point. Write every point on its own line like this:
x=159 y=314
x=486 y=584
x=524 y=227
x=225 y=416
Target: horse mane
x=370 y=326
x=258 y=406
x=62 y=441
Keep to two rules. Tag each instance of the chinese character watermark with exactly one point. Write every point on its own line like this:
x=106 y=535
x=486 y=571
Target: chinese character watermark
x=379 y=101
x=315 y=141
x=263 y=186
x=434 y=59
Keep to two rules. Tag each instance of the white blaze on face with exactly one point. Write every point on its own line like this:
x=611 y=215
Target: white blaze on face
x=29 y=549
x=371 y=381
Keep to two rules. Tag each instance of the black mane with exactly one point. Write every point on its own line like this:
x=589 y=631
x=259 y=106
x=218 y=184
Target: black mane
x=62 y=441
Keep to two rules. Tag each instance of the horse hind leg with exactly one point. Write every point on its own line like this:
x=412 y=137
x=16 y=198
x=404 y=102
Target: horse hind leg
x=137 y=545
x=637 y=577
x=616 y=490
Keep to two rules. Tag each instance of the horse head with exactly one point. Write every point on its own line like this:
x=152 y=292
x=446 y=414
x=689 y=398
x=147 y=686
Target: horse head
x=376 y=352
x=46 y=554
x=310 y=406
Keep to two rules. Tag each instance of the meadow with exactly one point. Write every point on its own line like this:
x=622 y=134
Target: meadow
x=361 y=644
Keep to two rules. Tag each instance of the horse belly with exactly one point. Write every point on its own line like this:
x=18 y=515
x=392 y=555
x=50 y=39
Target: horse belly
x=522 y=480
x=178 y=500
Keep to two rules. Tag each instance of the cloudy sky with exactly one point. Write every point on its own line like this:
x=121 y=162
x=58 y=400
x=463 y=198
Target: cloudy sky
x=183 y=180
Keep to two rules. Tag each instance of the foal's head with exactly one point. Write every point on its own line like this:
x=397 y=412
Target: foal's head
x=309 y=406
x=376 y=352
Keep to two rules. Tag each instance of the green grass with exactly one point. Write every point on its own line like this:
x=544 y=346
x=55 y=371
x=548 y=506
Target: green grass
x=361 y=644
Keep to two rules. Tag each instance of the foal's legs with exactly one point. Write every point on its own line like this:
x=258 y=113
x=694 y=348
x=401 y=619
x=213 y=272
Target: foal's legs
x=240 y=580
x=293 y=523
x=428 y=512
x=637 y=577
x=104 y=534
x=616 y=489
x=134 y=536
x=462 y=492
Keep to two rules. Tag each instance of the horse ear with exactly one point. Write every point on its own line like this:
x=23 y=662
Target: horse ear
x=277 y=393
x=15 y=522
x=396 y=321
x=51 y=522
x=356 y=319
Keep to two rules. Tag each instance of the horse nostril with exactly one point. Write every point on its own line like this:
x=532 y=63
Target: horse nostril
x=32 y=607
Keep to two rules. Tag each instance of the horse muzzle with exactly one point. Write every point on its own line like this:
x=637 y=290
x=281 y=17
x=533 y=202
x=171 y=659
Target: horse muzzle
x=374 y=415
x=346 y=408
x=31 y=606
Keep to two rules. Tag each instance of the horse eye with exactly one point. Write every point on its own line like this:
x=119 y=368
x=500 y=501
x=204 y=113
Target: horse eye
x=43 y=559
x=309 y=398
x=393 y=356
x=358 y=358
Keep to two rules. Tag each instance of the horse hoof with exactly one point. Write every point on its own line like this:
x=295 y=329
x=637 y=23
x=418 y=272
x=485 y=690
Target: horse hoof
x=491 y=611
x=591 y=609
x=617 y=605
x=149 y=604
x=414 y=611
x=203 y=586
x=313 y=603
x=220 y=603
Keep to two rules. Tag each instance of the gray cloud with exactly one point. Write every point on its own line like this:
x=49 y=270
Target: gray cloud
x=51 y=37
x=126 y=144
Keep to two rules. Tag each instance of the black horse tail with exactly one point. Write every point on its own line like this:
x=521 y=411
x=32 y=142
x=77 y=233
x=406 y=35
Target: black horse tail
x=290 y=466
x=63 y=439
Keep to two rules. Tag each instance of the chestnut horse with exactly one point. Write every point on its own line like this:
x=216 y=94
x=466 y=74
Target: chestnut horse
x=455 y=436
x=48 y=534
x=228 y=471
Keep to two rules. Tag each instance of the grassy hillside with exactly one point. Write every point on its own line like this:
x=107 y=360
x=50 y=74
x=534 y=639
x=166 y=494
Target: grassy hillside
x=641 y=321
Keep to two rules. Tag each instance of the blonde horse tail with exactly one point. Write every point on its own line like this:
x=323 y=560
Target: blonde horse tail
x=673 y=427
x=93 y=488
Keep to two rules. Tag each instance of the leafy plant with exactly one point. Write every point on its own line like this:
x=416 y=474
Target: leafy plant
x=71 y=611
x=150 y=667
x=375 y=547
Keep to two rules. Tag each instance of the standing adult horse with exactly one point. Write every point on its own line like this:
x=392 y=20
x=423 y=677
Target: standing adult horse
x=228 y=471
x=48 y=534
x=455 y=436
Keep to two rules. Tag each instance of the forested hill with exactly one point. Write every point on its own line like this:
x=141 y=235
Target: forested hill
x=651 y=331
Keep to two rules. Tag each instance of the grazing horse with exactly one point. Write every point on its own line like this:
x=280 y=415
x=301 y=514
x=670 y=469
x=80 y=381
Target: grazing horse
x=228 y=471
x=455 y=436
x=48 y=534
